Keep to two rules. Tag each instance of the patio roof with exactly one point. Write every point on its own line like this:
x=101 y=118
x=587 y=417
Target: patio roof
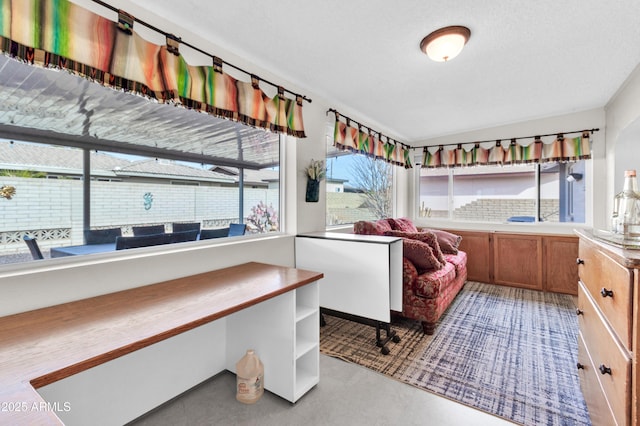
x=56 y=107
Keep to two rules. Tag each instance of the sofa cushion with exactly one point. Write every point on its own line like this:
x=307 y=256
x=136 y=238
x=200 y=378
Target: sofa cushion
x=448 y=242
x=430 y=284
x=425 y=236
x=459 y=261
x=402 y=224
x=369 y=227
x=420 y=254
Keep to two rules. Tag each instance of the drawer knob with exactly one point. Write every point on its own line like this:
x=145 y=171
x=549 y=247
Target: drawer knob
x=579 y=366
x=580 y=261
x=579 y=311
x=606 y=293
x=604 y=369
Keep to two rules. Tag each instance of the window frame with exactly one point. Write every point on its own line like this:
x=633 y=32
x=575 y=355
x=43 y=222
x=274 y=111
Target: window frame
x=480 y=224
x=86 y=203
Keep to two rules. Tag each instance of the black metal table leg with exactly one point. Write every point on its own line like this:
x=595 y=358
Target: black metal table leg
x=379 y=325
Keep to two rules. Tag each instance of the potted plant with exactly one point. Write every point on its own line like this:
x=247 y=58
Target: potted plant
x=315 y=172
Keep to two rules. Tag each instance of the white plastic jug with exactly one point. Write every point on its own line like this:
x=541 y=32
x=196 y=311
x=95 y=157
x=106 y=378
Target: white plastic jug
x=249 y=378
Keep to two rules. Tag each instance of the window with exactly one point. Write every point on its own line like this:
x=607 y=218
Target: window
x=358 y=188
x=125 y=191
x=547 y=192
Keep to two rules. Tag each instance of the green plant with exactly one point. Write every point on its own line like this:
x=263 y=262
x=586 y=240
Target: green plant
x=23 y=173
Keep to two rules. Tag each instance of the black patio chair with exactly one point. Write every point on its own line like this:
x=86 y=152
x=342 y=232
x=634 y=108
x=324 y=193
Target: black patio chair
x=147 y=230
x=207 y=234
x=123 y=243
x=181 y=227
x=102 y=236
x=33 y=247
x=184 y=236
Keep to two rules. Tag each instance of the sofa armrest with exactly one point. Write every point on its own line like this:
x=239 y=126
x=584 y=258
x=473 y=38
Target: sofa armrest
x=409 y=274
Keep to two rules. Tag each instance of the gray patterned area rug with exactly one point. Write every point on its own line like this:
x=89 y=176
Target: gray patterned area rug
x=506 y=351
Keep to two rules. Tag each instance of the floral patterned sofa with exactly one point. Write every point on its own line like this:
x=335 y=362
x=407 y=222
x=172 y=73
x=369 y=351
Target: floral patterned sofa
x=434 y=270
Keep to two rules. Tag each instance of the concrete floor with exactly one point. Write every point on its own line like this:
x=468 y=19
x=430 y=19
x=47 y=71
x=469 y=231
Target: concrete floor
x=347 y=394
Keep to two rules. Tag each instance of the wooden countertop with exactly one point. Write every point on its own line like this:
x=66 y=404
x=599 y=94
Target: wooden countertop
x=42 y=346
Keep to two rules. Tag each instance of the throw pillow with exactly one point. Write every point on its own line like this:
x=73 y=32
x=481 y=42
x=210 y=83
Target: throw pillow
x=369 y=227
x=426 y=236
x=403 y=224
x=383 y=225
x=420 y=254
x=448 y=242
x=364 y=227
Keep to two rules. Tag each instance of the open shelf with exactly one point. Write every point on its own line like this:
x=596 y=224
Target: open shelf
x=307 y=339
x=303 y=312
x=307 y=372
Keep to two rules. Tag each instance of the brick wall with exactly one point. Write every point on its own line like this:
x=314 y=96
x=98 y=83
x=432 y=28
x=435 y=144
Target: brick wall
x=499 y=210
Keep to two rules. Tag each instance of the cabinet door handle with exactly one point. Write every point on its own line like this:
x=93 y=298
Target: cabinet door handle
x=580 y=261
x=579 y=311
x=579 y=366
x=604 y=292
x=604 y=369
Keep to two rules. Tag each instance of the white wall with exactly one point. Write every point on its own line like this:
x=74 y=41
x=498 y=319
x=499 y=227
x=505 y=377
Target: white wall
x=623 y=135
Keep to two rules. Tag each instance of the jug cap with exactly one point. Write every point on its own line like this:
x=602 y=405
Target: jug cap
x=629 y=173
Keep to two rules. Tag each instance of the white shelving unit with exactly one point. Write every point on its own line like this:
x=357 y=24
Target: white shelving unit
x=284 y=332
x=307 y=346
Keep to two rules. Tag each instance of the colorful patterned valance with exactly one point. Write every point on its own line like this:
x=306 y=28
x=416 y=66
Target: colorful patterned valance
x=561 y=149
x=365 y=141
x=58 y=33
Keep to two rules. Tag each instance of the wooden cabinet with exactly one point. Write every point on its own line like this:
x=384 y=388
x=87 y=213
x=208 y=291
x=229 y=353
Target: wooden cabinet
x=480 y=265
x=518 y=260
x=560 y=271
x=608 y=319
x=535 y=261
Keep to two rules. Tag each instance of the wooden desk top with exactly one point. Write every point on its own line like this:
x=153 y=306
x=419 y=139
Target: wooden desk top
x=42 y=346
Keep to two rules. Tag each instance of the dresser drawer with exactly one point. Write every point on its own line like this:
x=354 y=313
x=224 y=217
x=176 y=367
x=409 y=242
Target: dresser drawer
x=610 y=285
x=610 y=360
x=597 y=403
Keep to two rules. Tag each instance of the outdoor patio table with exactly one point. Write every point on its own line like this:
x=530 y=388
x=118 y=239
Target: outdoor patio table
x=82 y=249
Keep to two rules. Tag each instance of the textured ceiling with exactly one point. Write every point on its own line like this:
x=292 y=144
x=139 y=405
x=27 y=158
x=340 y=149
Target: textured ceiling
x=525 y=59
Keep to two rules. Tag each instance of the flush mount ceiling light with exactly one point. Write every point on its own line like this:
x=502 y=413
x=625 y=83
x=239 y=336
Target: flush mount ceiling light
x=446 y=43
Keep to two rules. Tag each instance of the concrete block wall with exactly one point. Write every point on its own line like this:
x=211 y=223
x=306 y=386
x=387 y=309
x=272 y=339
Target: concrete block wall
x=51 y=209
x=499 y=210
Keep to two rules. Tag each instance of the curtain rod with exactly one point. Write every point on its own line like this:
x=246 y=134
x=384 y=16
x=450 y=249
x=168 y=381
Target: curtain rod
x=535 y=137
x=169 y=35
x=366 y=127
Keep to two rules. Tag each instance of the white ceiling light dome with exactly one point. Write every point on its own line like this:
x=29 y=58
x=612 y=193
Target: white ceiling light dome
x=446 y=43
